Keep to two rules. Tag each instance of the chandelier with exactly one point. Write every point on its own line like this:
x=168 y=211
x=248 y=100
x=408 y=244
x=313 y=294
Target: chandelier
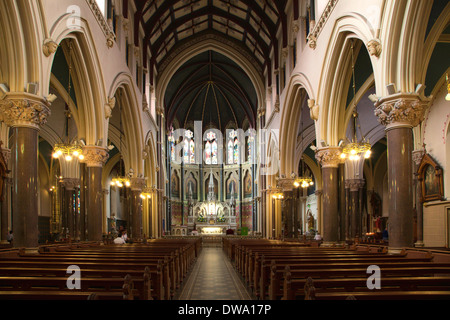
x=304 y=180
x=120 y=181
x=355 y=149
x=68 y=150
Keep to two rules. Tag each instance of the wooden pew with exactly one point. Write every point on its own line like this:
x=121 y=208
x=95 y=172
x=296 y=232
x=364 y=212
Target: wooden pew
x=433 y=293
x=276 y=289
x=297 y=289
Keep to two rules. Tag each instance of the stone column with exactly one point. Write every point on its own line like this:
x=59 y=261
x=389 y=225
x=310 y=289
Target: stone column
x=319 y=198
x=25 y=114
x=5 y=201
x=95 y=158
x=354 y=186
x=288 y=210
x=83 y=195
x=417 y=156
x=70 y=214
x=137 y=185
x=329 y=158
x=400 y=113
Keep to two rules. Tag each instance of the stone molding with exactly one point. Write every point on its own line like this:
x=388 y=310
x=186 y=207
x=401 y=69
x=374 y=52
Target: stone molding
x=24 y=110
x=407 y=110
x=95 y=156
x=329 y=157
x=318 y=27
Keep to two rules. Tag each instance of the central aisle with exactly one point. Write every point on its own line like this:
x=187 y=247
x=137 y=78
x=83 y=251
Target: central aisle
x=213 y=278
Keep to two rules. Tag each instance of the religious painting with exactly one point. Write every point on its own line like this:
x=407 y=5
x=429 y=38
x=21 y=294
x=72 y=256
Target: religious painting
x=175 y=185
x=232 y=188
x=431 y=179
x=191 y=187
x=247 y=185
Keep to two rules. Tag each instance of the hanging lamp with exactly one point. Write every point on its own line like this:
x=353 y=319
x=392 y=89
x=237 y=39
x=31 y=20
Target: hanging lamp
x=355 y=149
x=120 y=181
x=303 y=181
x=68 y=150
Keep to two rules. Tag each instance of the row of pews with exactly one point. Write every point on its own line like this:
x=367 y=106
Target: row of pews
x=142 y=271
x=275 y=270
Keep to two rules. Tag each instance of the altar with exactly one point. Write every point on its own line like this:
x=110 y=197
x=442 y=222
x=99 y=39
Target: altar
x=212 y=217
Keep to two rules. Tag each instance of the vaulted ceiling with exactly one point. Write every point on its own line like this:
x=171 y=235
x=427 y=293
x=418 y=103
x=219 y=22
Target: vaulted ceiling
x=211 y=87
x=252 y=23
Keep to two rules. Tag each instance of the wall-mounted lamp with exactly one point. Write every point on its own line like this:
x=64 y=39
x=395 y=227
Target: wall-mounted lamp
x=447 y=97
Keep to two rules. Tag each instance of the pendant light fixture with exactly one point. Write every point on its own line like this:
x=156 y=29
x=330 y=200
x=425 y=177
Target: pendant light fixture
x=303 y=181
x=68 y=150
x=355 y=149
x=120 y=181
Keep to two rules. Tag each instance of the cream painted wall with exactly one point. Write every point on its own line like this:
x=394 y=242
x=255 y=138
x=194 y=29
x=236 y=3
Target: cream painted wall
x=436 y=134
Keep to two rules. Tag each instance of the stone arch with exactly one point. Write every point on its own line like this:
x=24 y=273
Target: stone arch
x=132 y=125
x=299 y=88
x=334 y=86
x=87 y=78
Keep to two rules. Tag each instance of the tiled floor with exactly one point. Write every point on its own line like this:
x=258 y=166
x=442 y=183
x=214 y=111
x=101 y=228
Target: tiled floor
x=213 y=278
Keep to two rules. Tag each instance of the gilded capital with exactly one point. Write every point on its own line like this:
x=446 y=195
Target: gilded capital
x=95 y=156
x=354 y=184
x=137 y=184
x=329 y=157
x=70 y=183
x=286 y=184
x=24 y=110
x=401 y=110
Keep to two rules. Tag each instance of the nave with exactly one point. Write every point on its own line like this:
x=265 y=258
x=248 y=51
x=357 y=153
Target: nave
x=213 y=277
x=190 y=269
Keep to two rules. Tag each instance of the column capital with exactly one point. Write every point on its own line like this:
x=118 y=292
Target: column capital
x=318 y=193
x=286 y=184
x=417 y=156
x=95 y=156
x=354 y=184
x=70 y=183
x=137 y=184
x=329 y=157
x=401 y=110
x=24 y=110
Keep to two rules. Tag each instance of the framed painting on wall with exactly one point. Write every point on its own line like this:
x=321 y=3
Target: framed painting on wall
x=431 y=179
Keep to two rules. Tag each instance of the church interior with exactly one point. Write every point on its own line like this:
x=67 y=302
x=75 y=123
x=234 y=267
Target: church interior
x=282 y=141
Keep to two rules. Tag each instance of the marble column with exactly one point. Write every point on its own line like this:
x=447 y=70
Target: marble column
x=400 y=113
x=289 y=209
x=354 y=186
x=417 y=159
x=319 y=199
x=83 y=195
x=5 y=201
x=70 y=213
x=25 y=114
x=329 y=158
x=94 y=158
x=137 y=185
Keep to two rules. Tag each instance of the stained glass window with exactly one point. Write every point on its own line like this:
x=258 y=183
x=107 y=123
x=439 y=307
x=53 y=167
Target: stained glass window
x=233 y=148
x=211 y=148
x=189 y=147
